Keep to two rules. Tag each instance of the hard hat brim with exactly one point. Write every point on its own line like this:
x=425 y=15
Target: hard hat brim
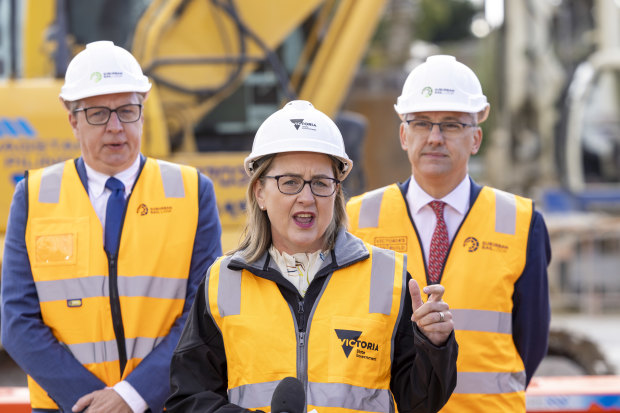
x=105 y=90
x=248 y=163
x=439 y=107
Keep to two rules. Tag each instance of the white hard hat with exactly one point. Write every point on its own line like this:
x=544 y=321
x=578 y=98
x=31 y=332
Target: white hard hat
x=441 y=84
x=100 y=69
x=298 y=126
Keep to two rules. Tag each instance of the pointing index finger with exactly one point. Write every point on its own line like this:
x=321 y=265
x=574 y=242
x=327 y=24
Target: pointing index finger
x=416 y=296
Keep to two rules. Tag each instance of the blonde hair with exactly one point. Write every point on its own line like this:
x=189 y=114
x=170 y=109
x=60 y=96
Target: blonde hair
x=256 y=236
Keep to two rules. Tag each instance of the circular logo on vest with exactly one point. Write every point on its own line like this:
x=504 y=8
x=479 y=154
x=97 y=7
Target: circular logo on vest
x=471 y=244
x=142 y=209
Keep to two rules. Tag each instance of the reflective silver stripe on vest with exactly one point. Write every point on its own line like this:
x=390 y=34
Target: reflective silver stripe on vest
x=97 y=286
x=82 y=287
x=481 y=320
x=140 y=347
x=106 y=351
x=369 y=210
x=155 y=287
x=505 y=212
x=489 y=383
x=229 y=290
x=337 y=395
x=172 y=178
x=381 y=281
x=49 y=192
x=253 y=396
x=349 y=397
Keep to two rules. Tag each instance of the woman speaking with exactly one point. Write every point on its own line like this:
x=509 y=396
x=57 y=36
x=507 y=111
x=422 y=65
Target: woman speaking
x=301 y=297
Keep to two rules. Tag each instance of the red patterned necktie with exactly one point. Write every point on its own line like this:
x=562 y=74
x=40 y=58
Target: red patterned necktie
x=439 y=244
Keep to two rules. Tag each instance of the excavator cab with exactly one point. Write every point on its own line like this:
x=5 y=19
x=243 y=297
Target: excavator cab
x=218 y=68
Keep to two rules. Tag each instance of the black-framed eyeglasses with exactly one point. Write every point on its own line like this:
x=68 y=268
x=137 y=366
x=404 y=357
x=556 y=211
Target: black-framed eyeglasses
x=293 y=184
x=450 y=129
x=100 y=115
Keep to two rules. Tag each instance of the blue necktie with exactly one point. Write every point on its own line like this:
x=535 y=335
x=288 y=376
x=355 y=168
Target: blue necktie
x=114 y=214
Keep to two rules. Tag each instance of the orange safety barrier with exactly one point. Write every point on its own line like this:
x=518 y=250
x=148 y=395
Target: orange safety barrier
x=574 y=394
x=544 y=394
x=14 y=400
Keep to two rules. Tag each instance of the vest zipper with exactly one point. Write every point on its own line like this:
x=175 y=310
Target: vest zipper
x=301 y=322
x=115 y=307
x=301 y=357
x=301 y=344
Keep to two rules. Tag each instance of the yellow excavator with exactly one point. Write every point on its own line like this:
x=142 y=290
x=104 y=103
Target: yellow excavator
x=218 y=68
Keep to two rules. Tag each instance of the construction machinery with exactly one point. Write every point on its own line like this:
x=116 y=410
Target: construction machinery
x=557 y=130
x=218 y=68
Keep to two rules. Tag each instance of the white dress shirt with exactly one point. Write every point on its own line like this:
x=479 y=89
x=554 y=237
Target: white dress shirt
x=99 y=194
x=457 y=205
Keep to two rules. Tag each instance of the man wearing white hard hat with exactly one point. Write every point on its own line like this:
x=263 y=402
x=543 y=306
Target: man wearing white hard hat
x=104 y=253
x=488 y=248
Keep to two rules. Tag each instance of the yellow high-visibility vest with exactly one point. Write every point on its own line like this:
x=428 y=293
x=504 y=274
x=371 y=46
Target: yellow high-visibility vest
x=70 y=268
x=346 y=351
x=486 y=258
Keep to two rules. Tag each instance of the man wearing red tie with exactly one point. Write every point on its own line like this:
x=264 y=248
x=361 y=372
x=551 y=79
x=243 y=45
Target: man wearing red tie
x=488 y=248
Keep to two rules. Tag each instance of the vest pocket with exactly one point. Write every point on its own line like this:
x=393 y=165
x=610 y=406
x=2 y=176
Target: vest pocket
x=58 y=247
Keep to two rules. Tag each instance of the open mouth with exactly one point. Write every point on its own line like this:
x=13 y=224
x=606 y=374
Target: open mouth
x=303 y=219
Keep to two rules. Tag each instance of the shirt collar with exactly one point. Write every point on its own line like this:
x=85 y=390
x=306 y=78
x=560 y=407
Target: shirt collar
x=96 y=180
x=457 y=199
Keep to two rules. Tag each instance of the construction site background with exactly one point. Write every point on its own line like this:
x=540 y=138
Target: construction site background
x=546 y=66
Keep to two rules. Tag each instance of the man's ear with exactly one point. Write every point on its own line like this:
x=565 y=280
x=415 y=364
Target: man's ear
x=72 y=119
x=484 y=114
x=403 y=136
x=477 y=141
x=71 y=115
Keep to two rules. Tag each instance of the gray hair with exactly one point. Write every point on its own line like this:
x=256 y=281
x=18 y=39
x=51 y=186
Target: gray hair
x=256 y=237
x=72 y=105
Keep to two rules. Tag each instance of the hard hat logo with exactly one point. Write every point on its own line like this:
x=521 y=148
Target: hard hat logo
x=95 y=77
x=299 y=123
x=427 y=91
x=444 y=91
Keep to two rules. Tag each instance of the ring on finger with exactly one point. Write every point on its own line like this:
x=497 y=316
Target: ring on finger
x=441 y=317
